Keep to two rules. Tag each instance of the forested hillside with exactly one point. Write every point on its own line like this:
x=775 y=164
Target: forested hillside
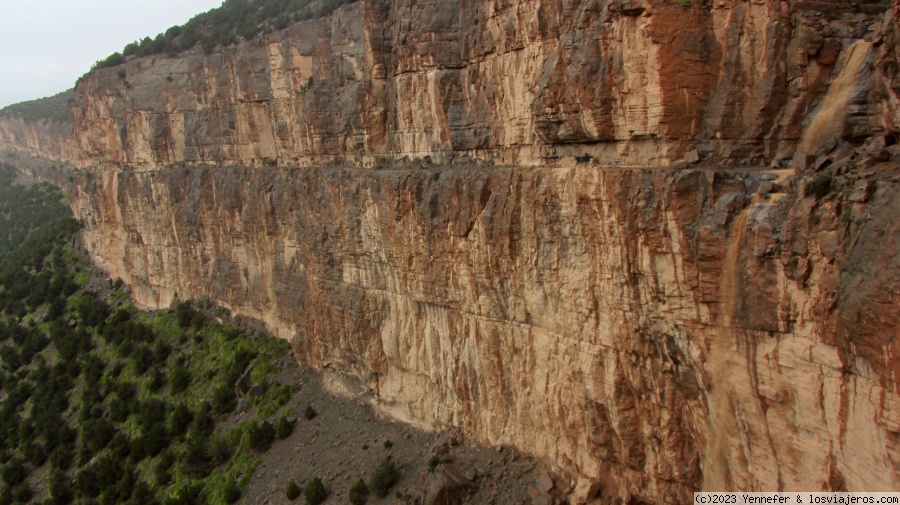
x=224 y=26
x=56 y=107
x=102 y=403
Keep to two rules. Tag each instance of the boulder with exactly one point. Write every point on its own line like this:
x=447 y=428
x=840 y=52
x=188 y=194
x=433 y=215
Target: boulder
x=447 y=485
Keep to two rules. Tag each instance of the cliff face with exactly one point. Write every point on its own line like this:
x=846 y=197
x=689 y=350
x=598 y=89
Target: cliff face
x=46 y=139
x=648 y=333
x=511 y=82
x=884 y=84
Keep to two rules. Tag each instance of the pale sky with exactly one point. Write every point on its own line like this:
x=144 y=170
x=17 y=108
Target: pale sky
x=45 y=45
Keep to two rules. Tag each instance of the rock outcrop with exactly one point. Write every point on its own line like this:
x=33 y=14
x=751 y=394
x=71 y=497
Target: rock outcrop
x=510 y=82
x=45 y=139
x=648 y=332
x=885 y=83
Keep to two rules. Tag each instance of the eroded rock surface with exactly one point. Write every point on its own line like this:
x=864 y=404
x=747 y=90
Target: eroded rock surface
x=510 y=82
x=648 y=333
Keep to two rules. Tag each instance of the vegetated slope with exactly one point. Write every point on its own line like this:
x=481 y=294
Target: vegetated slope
x=224 y=26
x=106 y=404
x=54 y=107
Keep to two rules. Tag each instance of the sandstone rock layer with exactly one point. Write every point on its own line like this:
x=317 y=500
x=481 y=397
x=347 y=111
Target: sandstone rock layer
x=506 y=81
x=647 y=333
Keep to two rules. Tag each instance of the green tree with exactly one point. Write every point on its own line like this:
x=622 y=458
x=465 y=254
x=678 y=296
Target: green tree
x=315 y=492
x=224 y=400
x=179 y=379
x=60 y=488
x=220 y=449
x=151 y=412
x=62 y=456
x=261 y=436
x=14 y=471
x=162 y=470
x=110 y=61
x=358 y=493
x=155 y=439
x=383 y=477
x=231 y=493
x=293 y=491
x=196 y=458
x=284 y=428
x=179 y=419
x=96 y=433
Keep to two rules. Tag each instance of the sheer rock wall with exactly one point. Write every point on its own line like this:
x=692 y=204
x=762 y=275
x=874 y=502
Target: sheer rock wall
x=648 y=333
x=517 y=82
